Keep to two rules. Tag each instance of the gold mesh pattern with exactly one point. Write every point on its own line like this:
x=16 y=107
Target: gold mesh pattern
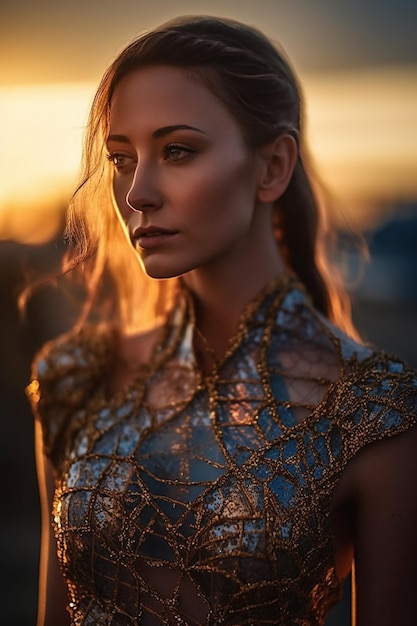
x=205 y=500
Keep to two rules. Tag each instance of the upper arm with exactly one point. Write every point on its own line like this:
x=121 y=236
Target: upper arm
x=52 y=596
x=385 y=540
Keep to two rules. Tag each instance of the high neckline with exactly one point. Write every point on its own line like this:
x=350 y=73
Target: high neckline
x=279 y=286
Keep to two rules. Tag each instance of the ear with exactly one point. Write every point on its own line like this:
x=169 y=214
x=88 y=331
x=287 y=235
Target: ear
x=276 y=165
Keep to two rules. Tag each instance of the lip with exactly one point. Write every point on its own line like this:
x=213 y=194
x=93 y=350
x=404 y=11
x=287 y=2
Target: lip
x=152 y=237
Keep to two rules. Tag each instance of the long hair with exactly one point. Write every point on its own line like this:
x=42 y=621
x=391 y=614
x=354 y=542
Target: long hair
x=255 y=81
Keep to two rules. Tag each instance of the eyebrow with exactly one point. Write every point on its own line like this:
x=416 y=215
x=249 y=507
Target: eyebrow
x=118 y=138
x=160 y=132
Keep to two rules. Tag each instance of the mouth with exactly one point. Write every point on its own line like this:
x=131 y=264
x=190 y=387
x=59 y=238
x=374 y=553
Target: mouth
x=151 y=237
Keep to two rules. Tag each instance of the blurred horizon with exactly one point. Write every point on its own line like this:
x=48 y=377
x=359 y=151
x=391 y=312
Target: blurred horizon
x=364 y=152
x=357 y=67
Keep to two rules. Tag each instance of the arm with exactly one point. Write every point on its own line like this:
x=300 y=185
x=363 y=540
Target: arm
x=52 y=597
x=385 y=536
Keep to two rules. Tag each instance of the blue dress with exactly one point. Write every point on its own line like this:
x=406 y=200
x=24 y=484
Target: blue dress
x=205 y=500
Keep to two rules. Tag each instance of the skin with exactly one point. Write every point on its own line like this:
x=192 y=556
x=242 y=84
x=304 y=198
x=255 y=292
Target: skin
x=216 y=195
x=206 y=185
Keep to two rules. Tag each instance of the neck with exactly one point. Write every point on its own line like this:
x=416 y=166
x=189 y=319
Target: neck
x=222 y=293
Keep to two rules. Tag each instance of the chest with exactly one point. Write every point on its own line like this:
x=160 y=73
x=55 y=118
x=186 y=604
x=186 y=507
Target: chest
x=214 y=481
x=208 y=490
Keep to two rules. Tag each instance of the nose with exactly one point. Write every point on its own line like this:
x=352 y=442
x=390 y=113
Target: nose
x=144 y=194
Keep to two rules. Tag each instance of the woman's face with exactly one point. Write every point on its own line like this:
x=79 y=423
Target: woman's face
x=184 y=179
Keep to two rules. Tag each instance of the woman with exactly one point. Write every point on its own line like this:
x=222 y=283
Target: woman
x=217 y=448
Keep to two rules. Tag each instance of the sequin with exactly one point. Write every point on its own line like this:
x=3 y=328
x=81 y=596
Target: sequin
x=205 y=501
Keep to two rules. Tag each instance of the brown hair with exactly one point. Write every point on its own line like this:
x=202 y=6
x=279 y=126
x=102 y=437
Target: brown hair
x=255 y=82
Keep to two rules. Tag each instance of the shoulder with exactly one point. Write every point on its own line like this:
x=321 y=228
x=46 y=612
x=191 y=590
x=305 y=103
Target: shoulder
x=372 y=395
x=84 y=351
x=369 y=390
x=303 y=324
x=308 y=345
x=64 y=373
x=375 y=400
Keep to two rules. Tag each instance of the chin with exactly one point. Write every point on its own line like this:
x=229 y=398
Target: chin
x=161 y=270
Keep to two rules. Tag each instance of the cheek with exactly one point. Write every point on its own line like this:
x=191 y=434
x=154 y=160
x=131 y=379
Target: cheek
x=228 y=185
x=120 y=190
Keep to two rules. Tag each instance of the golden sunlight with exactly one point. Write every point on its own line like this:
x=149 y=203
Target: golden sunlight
x=41 y=131
x=361 y=128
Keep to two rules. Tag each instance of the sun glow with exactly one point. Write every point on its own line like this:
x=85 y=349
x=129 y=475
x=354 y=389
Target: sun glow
x=362 y=129
x=41 y=130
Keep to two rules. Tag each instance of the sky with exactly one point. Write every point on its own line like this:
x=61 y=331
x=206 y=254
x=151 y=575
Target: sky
x=357 y=62
x=48 y=40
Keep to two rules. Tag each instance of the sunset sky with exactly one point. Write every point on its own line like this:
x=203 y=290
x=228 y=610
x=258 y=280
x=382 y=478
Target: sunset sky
x=357 y=65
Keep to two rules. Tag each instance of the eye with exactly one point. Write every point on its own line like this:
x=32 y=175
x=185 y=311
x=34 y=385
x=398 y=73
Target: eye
x=177 y=152
x=120 y=161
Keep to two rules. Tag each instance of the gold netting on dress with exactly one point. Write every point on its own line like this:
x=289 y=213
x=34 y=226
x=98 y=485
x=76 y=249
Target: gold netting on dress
x=205 y=500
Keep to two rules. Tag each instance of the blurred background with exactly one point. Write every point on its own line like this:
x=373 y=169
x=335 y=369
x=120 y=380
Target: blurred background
x=357 y=63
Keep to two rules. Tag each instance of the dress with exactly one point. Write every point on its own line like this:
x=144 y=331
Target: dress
x=186 y=499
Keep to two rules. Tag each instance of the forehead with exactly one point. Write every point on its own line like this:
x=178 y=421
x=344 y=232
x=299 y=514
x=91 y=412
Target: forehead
x=165 y=95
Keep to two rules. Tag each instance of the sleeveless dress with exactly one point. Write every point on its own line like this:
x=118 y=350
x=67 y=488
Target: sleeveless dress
x=192 y=500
